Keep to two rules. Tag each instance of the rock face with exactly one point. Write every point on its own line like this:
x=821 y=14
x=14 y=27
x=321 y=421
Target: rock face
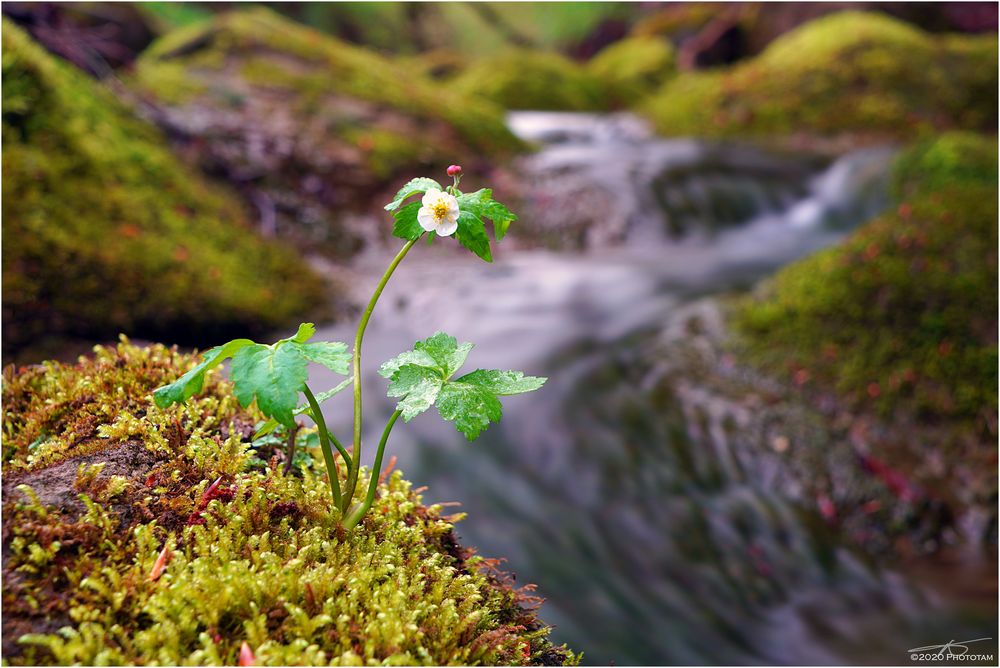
x=850 y=73
x=105 y=231
x=308 y=127
x=898 y=324
x=133 y=534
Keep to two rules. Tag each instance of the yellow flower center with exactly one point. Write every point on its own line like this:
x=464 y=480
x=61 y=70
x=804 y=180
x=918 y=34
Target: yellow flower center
x=440 y=209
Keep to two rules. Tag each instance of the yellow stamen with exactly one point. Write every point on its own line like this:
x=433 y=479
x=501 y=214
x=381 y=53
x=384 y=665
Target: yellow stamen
x=440 y=210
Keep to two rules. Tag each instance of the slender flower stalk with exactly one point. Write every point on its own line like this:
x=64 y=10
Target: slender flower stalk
x=352 y=475
x=360 y=511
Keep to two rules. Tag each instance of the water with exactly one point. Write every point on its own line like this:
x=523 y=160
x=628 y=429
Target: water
x=653 y=539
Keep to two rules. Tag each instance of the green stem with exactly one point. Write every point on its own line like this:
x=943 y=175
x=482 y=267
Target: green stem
x=352 y=474
x=359 y=512
x=324 y=441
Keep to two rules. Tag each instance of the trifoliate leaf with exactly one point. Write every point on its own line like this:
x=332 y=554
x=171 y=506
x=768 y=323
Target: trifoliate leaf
x=415 y=186
x=483 y=205
x=502 y=383
x=440 y=352
x=417 y=386
x=191 y=382
x=472 y=234
x=472 y=408
x=273 y=376
x=332 y=355
x=422 y=377
x=271 y=424
x=407 y=226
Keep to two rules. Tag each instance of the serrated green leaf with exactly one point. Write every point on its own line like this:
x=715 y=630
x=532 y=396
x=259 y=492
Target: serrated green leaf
x=472 y=408
x=483 y=205
x=407 y=226
x=472 y=234
x=417 y=357
x=417 y=387
x=331 y=354
x=418 y=185
x=273 y=376
x=502 y=383
x=191 y=382
x=271 y=424
x=440 y=352
x=304 y=333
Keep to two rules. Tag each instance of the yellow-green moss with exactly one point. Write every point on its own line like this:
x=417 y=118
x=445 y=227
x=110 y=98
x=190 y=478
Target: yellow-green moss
x=311 y=65
x=105 y=231
x=632 y=68
x=259 y=558
x=846 y=73
x=527 y=79
x=903 y=314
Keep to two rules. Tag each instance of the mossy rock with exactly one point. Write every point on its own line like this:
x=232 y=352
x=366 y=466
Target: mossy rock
x=104 y=230
x=310 y=126
x=632 y=68
x=901 y=316
x=849 y=73
x=98 y=483
x=536 y=80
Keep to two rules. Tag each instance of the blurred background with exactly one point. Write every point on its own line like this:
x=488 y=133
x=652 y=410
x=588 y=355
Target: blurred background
x=756 y=254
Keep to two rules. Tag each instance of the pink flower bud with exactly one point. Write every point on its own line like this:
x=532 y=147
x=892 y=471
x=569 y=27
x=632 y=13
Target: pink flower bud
x=454 y=170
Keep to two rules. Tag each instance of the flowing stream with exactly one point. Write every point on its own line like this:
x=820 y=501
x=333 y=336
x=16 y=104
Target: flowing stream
x=648 y=545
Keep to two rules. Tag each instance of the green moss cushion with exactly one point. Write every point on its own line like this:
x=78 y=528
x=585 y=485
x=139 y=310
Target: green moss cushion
x=105 y=231
x=119 y=548
x=848 y=72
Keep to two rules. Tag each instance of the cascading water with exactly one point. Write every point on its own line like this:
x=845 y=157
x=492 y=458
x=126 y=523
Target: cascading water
x=654 y=537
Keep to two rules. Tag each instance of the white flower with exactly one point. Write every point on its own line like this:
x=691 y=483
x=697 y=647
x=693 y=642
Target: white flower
x=438 y=213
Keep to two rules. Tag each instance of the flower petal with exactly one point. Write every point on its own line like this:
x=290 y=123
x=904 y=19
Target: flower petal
x=425 y=216
x=447 y=227
x=430 y=197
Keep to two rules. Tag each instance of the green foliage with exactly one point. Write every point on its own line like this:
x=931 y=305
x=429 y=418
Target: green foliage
x=414 y=187
x=482 y=205
x=421 y=378
x=106 y=231
x=272 y=375
x=633 y=67
x=257 y=558
x=529 y=79
x=846 y=73
x=902 y=315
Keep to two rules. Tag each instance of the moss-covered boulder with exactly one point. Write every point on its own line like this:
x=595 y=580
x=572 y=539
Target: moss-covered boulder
x=105 y=231
x=309 y=127
x=138 y=535
x=632 y=68
x=902 y=316
x=849 y=73
x=533 y=79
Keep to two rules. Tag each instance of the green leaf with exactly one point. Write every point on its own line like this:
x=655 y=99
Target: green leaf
x=440 y=352
x=502 y=383
x=472 y=408
x=191 y=382
x=415 y=186
x=407 y=226
x=271 y=424
x=271 y=375
x=417 y=387
x=472 y=234
x=421 y=378
x=483 y=205
x=331 y=354
x=304 y=333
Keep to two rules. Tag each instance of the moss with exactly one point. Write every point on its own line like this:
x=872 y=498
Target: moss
x=632 y=68
x=528 y=79
x=323 y=65
x=902 y=315
x=105 y=231
x=258 y=557
x=846 y=73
